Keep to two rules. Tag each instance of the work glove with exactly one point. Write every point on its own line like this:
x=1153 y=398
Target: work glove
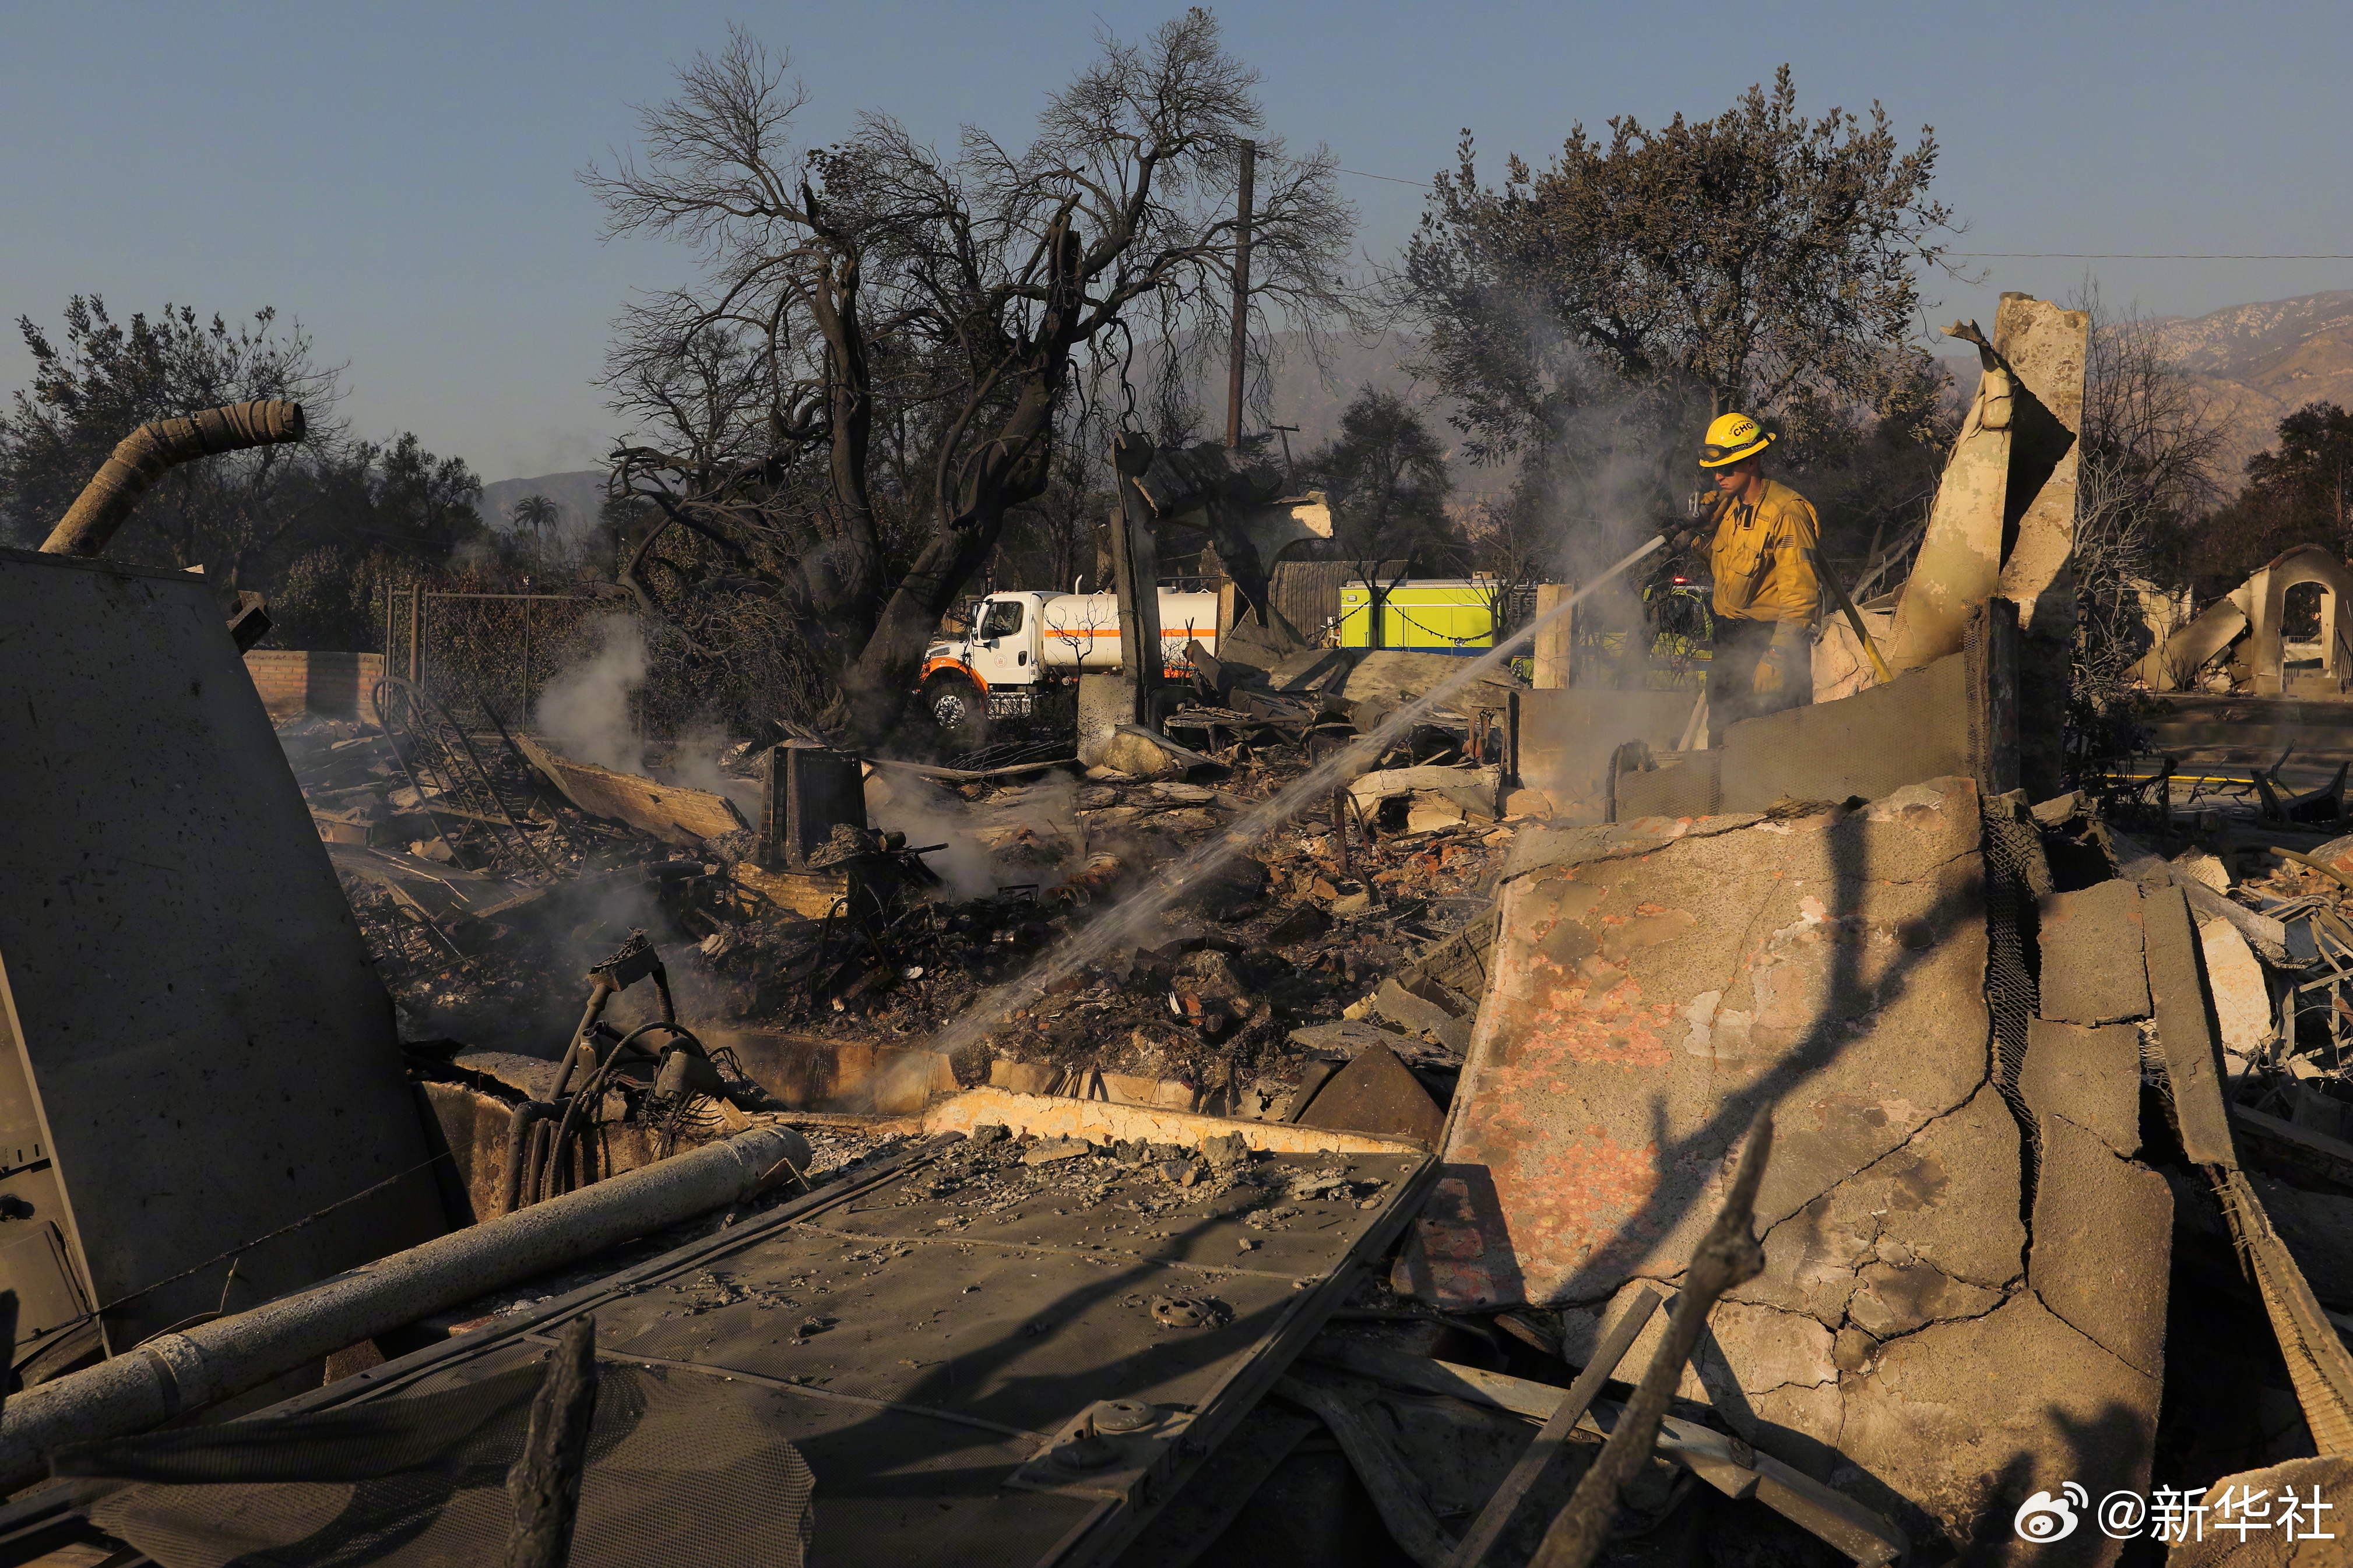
x=1784 y=662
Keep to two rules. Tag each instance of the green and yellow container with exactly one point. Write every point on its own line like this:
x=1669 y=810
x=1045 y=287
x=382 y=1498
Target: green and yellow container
x=1436 y=614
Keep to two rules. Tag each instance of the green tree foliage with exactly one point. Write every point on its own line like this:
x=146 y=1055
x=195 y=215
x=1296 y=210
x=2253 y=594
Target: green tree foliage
x=1385 y=475
x=2311 y=470
x=364 y=516
x=315 y=527
x=1589 y=316
x=2296 y=493
x=1872 y=475
x=538 y=517
x=105 y=378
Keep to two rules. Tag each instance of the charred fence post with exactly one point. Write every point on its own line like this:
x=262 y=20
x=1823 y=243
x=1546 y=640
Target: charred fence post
x=1552 y=1441
x=545 y=1482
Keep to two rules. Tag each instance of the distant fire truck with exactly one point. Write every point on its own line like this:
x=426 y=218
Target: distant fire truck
x=1021 y=644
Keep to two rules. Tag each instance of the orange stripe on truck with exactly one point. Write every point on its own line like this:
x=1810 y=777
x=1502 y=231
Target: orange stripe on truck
x=932 y=667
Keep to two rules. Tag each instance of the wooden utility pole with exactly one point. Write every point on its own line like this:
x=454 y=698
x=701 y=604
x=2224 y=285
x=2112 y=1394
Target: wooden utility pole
x=1136 y=577
x=1241 y=295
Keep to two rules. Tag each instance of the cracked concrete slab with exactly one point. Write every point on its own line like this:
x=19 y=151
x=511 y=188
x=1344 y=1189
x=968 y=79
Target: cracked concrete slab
x=1892 y=1299
x=1904 y=1342
x=1941 y=1427
x=2091 y=942
x=1913 y=1339
x=1649 y=992
x=1541 y=848
x=1946 y=1200
x=2090 y=1076
x=1957 y=1425
x=2102 y=1244
x=1750 y=1348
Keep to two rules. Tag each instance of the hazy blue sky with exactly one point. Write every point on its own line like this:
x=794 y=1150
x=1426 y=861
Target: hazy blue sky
x=401 y=178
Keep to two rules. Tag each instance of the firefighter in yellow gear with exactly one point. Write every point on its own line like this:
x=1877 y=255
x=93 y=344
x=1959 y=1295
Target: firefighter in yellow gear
x=1767 y=596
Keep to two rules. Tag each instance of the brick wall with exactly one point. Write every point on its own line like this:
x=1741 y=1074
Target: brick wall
x=333 y=684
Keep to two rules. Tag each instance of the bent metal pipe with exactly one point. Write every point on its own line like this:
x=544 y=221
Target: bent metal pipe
x=1137 y=914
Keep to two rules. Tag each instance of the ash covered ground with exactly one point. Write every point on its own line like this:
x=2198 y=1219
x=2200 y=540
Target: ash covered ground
x=1290 y=935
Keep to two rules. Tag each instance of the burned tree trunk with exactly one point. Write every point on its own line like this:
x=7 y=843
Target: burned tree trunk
x=1009 y=468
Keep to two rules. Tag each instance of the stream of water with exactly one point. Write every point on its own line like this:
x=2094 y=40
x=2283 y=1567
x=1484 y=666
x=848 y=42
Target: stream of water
x=1137 y=915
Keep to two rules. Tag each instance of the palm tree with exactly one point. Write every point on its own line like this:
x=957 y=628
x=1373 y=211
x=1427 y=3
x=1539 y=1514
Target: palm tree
x=541 y=516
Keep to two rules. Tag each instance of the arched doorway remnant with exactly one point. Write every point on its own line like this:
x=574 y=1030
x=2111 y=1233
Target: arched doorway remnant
x=2260 y=607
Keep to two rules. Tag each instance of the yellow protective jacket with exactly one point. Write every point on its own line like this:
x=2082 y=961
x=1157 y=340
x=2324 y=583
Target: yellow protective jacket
x=1763 y=559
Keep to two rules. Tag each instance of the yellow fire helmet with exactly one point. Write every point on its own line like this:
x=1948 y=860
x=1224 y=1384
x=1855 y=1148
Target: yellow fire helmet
x=1731 y=437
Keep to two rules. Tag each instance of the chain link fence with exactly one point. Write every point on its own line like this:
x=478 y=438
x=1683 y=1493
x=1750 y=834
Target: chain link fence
x=488 y=658
x=486 y=655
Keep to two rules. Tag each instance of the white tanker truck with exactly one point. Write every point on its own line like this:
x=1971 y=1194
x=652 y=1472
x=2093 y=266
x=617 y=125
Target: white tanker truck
x=1024 y=642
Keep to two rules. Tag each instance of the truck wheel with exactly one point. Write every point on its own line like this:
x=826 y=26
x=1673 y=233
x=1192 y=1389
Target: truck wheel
x=959 y=709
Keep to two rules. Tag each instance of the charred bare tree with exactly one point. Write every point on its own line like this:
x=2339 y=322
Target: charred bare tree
x=880 y=358
x=2145 y=487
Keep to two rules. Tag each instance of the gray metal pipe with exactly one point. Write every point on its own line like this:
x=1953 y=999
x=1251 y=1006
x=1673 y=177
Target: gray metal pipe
x=141 y=457
x=177 y=1372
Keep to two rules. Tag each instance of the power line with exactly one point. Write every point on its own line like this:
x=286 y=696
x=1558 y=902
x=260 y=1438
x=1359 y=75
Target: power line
x=1987 y=254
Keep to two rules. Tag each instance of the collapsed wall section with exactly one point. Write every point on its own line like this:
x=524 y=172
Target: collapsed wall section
x=200 y=1063
x=1964 y=1295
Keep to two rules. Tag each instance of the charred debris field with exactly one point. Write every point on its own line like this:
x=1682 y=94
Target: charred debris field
x=485 y=929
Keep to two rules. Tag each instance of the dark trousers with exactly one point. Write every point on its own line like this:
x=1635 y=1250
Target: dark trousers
x=1732 y=693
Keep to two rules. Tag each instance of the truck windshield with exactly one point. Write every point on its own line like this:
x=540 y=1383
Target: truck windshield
x=1002 y=620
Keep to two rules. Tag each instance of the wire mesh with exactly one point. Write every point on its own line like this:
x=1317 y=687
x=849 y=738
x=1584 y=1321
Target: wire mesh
x=2016 y=877
x=480 y=653
x=489 y=659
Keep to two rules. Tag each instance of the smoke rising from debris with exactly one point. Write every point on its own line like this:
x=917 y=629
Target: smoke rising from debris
x=587 y=713
x=1124 y=923
x=585 y=709
x=695 y=764
x=927 y=814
